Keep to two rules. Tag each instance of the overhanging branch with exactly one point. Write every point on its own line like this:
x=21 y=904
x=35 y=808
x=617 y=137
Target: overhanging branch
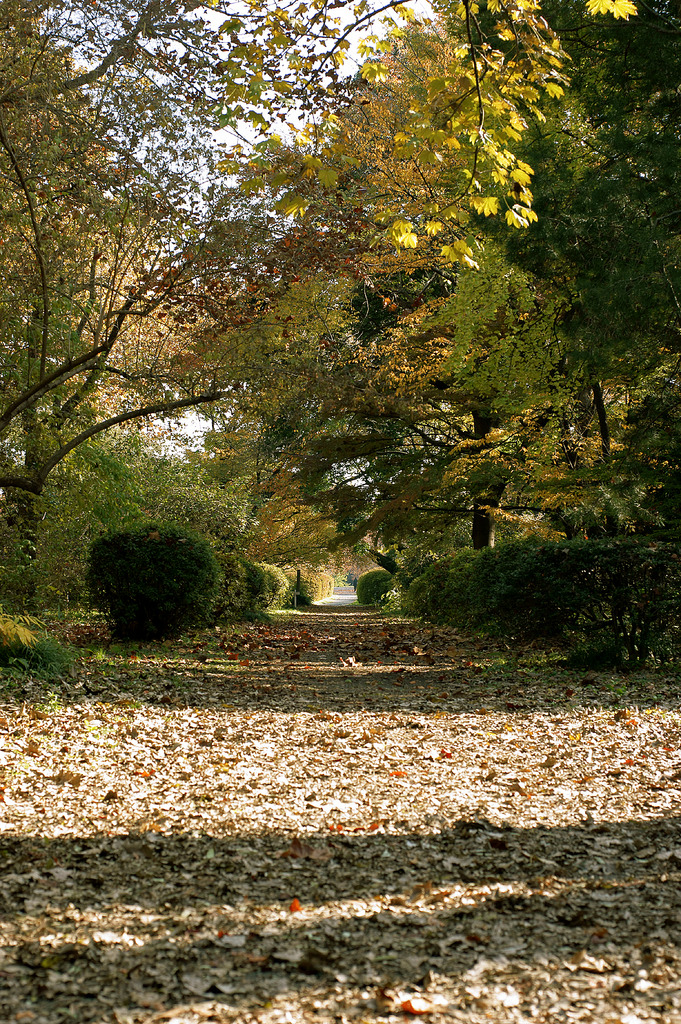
x=124 y=417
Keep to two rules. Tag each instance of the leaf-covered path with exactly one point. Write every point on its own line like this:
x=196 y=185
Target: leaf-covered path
x=339 y=818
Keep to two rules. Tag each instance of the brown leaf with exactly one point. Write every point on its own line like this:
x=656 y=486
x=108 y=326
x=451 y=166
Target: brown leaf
x=581 y=961
x=417 y=1005
x=299 y=850
x=65 y=776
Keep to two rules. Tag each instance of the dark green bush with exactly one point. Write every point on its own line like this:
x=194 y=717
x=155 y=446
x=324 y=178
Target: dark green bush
x=620 y=600
x=270 y=587
x=412 y=565
x=152 y=579
x=371 y=586
x=249 y=588
x=234 y=598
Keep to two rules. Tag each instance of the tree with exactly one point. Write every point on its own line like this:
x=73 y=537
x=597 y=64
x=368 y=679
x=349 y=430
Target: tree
x=604 y=259
x=503 y=58
x=130 y=268
x=607 y=242
x=413 y=384
x=104 y=224
x=438 y=409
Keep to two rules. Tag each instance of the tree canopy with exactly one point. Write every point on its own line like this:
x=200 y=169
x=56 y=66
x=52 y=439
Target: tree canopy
x=305 y=218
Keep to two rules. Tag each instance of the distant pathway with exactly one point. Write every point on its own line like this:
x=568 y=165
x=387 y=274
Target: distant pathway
x=341 y=596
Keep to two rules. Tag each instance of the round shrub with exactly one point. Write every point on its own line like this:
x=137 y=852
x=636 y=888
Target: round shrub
x=440 y=594
x=152 y=579
x=371 y=586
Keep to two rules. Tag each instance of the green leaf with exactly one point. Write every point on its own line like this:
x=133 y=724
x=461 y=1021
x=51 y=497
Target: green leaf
x=293 y=205
x=328 y=177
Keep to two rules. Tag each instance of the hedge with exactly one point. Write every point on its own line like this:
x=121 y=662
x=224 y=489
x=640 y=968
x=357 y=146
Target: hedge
x=314 y=586
x=620 y=597
x=249 y=588
x=373 y=585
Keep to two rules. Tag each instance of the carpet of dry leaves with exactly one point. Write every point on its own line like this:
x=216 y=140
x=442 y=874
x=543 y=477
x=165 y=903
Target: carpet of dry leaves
x=338 y=818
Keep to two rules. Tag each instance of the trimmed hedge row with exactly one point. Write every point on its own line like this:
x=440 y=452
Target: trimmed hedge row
x=621 y=598
x=249 y=588
x=252 y=587
x=373 y=585
x=314 y=586
x=155 y=578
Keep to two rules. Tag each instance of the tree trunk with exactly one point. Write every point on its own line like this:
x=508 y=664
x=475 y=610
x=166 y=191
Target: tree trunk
x=23 y=517
x=483 y=532
x=483 y=525
x=599 y=403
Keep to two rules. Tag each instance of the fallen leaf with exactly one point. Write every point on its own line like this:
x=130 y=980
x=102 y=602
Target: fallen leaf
x=417 y=1005
x=581 y=961
x=65 y=776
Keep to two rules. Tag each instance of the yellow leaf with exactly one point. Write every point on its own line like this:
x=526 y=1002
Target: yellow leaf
x=488 y=205
x=522 y=177
x=375 y=72
x=15 y=629
x=520 y=216
x=460 y=251
x=619 y=8
x=426 y=156
x=554 y=90
x=623 y=8
x=403 y=235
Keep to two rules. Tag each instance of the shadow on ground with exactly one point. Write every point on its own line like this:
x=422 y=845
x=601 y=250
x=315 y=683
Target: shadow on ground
x=151 y=920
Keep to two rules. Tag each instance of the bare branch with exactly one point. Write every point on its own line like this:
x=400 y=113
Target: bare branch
x=54 y=380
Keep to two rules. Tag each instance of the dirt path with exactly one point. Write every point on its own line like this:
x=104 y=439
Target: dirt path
x=339 y=818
